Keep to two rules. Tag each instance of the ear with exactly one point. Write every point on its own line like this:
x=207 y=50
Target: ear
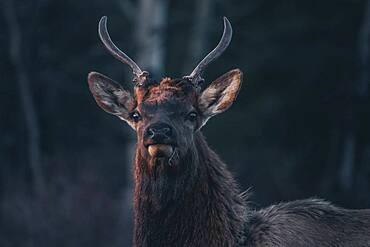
x=221 y=94
x=110 y=96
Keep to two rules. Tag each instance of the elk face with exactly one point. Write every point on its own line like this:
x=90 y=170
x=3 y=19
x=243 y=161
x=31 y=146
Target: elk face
x=165 y=115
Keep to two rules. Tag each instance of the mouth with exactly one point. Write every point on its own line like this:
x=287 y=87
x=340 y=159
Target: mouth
x=160 y=150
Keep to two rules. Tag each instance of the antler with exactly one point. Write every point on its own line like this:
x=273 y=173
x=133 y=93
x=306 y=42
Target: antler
x=117 y=53
x=195 y=76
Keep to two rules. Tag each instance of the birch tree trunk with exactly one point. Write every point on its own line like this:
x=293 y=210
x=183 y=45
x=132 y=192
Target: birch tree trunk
x=25 y=96
x=359 y=96
x=363 y=88
x=150 y=36
x=198 y=39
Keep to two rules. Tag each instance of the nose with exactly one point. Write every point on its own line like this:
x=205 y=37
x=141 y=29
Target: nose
x=159 y=131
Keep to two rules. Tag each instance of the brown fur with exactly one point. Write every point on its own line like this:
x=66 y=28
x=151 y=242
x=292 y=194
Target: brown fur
x=190 y=198
x=207 y=212
x=165 y=90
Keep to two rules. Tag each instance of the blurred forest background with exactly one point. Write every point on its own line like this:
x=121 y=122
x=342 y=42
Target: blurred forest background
x=300 y=126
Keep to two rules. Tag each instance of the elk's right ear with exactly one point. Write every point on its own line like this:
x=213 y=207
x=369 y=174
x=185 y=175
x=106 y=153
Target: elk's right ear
x=110 y=96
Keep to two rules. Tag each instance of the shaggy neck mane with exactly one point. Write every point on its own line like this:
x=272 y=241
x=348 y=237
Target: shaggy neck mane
x=200 y=206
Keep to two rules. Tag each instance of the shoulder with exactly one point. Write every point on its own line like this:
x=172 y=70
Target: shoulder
x=303 y=223
x=309 y=208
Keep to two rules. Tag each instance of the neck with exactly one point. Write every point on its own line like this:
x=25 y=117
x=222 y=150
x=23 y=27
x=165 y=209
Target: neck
x=205 y=209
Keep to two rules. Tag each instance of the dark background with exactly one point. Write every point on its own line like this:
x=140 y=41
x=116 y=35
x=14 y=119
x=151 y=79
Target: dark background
x=300 y=126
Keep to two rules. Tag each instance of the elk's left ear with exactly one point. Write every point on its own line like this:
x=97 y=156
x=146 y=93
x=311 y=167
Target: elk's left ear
x=221 y=94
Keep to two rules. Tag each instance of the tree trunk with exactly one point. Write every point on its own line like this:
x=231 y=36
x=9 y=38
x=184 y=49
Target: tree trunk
x=25 y=96
x=358 y=96
x=198 y=40
x=150 y=36
x=363 y=88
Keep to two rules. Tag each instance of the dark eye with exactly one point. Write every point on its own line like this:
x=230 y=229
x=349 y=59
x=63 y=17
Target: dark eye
x=135 y=116
x=192 y=116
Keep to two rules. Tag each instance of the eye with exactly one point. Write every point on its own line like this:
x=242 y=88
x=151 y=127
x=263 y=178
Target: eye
x=192 y=116
x=135 y=116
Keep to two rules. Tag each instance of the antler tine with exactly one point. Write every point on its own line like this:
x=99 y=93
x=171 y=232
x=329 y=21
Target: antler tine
x=115 y=51
x=195 y=76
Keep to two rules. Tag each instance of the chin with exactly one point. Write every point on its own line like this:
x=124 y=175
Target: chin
x=162 y=157
x=166 y=178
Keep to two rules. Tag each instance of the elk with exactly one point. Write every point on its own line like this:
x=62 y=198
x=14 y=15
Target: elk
x=184 y=194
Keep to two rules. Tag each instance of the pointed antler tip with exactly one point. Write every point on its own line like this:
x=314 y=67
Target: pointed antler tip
x=103 y=19
x=227 y=23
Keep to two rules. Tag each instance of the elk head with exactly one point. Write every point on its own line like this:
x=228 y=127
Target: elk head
x=166 y=115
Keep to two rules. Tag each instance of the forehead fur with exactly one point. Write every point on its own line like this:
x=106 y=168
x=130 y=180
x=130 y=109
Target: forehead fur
x=170 y=89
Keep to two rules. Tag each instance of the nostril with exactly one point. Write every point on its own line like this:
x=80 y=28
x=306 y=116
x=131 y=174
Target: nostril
x=166 y=130
x=151 y=132
x=159 y=132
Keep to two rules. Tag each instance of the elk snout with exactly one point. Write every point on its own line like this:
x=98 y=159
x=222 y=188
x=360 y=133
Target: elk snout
x=159 y=139
x=159 y=133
